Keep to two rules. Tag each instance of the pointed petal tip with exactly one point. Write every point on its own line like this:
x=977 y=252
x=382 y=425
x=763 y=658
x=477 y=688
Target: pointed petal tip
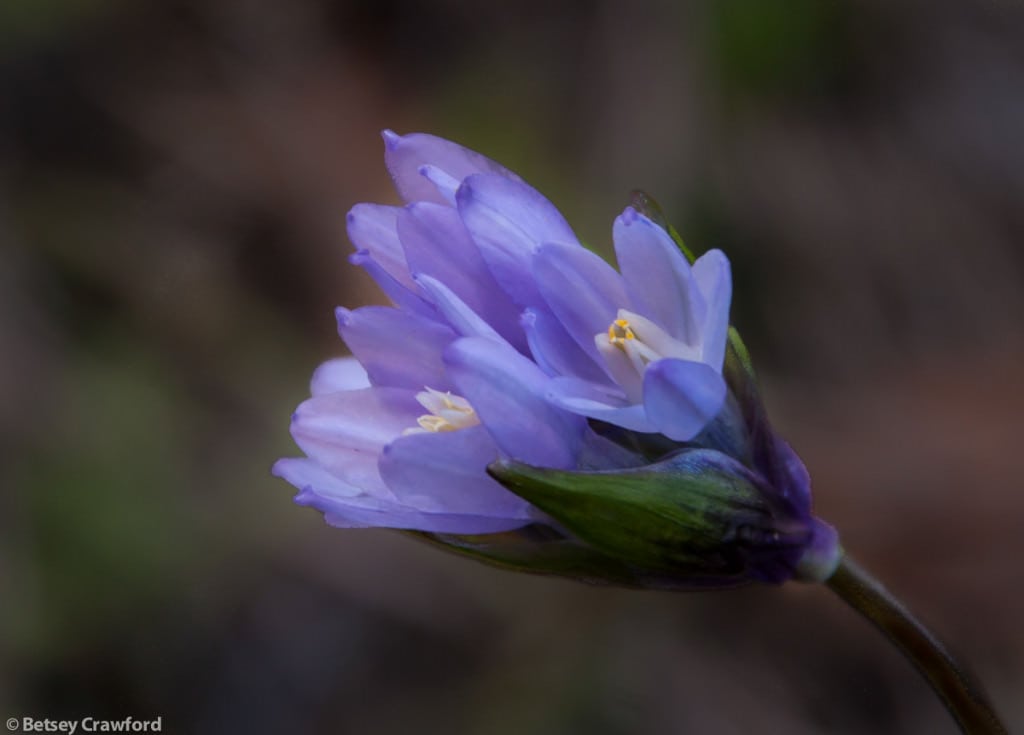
x=631 y=216
x=391 y=138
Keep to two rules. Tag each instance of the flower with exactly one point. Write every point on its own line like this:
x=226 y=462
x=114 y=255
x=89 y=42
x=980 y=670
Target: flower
x=655 y=334
x=525 y=403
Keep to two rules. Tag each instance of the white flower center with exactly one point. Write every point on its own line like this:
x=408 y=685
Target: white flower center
x=633 y=342
x=622 y=335
x=447 y=412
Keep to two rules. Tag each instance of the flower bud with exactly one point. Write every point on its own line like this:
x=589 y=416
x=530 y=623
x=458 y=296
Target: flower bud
x=698 y=518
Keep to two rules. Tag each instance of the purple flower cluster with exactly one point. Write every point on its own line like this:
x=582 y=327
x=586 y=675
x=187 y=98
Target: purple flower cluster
x=507 y=340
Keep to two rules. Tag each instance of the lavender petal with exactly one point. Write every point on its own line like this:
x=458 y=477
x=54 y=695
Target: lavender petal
x=714 y=279
x=681 y=397
x=396 y=348
x=657 y=275
x=404 y=155
x=507 y=390
x=338 y=374
x=447 y=472
x=583 y=291
x=508 y=220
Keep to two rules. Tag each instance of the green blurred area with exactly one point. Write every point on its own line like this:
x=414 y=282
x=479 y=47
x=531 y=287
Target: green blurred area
x=173 y=183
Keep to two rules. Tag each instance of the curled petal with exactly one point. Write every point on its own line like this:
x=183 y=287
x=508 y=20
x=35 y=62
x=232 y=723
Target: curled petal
x=681 y=397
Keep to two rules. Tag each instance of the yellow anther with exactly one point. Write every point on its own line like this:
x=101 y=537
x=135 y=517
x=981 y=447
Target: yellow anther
x=619 y=331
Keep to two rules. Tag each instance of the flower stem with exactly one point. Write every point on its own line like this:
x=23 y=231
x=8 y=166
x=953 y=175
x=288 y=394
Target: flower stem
x=959 y=691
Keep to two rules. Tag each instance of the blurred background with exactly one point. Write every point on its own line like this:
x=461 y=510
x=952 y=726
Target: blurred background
x=173 y=183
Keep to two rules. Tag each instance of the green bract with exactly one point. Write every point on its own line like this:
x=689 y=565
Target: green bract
x=697 y=516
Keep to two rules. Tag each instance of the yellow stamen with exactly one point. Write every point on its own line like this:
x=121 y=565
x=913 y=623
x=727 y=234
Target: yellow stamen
x=619 y=331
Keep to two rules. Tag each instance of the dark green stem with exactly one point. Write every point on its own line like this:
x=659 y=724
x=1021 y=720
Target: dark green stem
x=959 y=691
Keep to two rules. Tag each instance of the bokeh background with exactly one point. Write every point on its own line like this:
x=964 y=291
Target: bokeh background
x=173 y=183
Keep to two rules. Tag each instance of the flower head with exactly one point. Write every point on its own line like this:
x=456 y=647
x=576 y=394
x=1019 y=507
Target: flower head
x=524 y=402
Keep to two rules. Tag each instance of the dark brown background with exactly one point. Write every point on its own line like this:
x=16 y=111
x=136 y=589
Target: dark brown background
x=173 y=183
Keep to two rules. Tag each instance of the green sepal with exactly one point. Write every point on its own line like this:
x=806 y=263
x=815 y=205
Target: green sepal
x=539 y=549
x=698 y=516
